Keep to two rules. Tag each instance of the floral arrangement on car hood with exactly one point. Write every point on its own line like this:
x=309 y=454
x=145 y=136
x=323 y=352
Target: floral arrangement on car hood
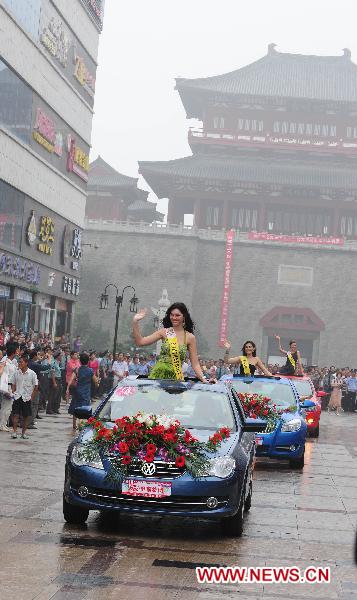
x=139 y=439
x=257 y=406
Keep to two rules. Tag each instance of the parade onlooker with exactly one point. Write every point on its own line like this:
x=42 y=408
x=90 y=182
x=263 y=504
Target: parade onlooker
x=35 y=366
x=25 y=387
x=80 y=386
x=73 y=364
x=77 y=344
x=55 y=391
x=134 y=367
x=120 y=368
x=10 y=361
x=351 y=383
x=336 y=394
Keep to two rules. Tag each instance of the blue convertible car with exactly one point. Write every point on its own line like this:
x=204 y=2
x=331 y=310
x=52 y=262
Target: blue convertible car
x=224 y=492
x=287 y=441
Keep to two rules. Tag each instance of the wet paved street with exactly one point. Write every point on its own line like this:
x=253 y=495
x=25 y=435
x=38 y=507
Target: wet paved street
x=297 y=518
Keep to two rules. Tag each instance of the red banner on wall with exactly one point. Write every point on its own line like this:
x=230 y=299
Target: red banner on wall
x=294 y=239
x=226 y=287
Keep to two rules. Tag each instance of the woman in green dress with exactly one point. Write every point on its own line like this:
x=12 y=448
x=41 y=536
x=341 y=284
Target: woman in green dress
x=178 y=343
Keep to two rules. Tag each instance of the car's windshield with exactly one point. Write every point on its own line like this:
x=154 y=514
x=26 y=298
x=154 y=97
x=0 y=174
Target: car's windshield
x=280 y=394
x=203 y=407
x=303 y=388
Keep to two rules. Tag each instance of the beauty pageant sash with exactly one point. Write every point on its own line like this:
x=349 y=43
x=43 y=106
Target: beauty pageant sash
x=245 y=364
x=175 y=354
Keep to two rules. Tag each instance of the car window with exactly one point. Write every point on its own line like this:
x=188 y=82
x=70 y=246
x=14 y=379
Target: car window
x=280 y=394
x=303 y=388
x=202 y=408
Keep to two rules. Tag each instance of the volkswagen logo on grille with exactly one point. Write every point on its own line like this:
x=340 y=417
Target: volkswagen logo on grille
x=148 y=469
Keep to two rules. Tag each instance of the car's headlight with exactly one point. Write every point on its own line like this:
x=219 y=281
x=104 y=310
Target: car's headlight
x=293 y=425
x=221 y=467
x=79 y=460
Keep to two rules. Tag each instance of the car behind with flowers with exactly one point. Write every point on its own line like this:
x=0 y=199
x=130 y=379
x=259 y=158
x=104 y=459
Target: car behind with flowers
x=285 y=437
x=163 y=448
x=306 y=390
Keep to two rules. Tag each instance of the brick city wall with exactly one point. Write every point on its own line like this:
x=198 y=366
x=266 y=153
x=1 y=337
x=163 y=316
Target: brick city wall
x=192 y=271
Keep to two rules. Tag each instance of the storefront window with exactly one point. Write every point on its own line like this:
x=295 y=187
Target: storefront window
x=11 y=214
x=15 y=104
x=26 y=13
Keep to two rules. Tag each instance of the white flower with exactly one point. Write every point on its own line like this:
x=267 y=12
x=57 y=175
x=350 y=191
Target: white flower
x=166 y=421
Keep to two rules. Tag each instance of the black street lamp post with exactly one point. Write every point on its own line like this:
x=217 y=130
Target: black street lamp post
x=104 y=304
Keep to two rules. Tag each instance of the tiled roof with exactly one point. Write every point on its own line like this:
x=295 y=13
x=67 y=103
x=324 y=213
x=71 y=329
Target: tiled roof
x=282 y=75
x=239 y=169
x=103 y=175
x=142 y=205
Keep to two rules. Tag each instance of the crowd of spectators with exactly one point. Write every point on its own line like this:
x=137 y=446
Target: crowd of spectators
x=55 y=363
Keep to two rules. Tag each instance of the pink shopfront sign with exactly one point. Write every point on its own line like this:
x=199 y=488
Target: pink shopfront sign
x=295 y=239
x=226 y=287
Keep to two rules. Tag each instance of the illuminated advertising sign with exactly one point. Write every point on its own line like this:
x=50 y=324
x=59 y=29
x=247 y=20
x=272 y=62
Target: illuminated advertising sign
x=77 y=159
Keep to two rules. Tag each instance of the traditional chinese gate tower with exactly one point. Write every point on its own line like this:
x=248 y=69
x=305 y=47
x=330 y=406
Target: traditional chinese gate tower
x=276 y=152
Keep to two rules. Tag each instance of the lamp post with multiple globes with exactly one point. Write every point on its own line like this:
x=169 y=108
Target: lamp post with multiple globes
x=104 y=305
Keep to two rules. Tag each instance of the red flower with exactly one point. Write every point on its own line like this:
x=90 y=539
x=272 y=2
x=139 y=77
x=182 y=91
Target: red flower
x=149 y=458
x=170 y=437
x=150 y=449
x=180 y=461
x=265 y=412
x=225 y=431
x=90 y=420
x=126 y=459
x=123 y=447
x=97 y=424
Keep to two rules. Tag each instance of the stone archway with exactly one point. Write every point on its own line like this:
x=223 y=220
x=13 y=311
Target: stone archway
x=300 y=324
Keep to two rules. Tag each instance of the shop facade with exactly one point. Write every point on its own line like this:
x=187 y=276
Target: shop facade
x=40 y=256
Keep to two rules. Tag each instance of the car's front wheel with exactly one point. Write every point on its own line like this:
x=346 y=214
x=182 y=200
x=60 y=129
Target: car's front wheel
x=75 y=515
x=233 y=526
x=298 y=463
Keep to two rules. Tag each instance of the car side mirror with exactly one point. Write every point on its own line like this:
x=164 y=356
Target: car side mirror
x=83 y=412
x=254 y=425
x=307 y=404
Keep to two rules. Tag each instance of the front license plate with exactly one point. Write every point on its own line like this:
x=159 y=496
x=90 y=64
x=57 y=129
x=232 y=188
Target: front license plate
x=148 y=489
x=259 y=441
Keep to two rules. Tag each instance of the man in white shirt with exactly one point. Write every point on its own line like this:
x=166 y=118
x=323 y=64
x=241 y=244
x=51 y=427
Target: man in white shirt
x=119 y=368
x=12 y=350
x=25 y=388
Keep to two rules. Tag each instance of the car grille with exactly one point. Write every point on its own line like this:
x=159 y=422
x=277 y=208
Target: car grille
x=164 y=470
x=112 y=499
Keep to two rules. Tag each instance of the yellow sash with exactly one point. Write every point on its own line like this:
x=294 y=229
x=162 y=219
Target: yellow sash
x=245 y=364
x=291 y=359
x=175 y=354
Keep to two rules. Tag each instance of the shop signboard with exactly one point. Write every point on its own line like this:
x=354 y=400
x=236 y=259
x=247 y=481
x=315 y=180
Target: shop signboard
x=65 y=50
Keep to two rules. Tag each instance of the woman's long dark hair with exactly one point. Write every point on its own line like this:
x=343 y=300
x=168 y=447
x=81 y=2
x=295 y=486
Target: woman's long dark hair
x=189 y=324
x=254 y=346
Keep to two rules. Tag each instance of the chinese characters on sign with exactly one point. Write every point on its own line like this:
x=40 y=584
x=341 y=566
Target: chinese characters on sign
x=18 y=268
x=55 y=40
x=46 y=235
x=77 y=159
x=45 y=133
x=295 y=239
x=71 y=285
x=82 y=74
x=226 y=287
x=76 y=248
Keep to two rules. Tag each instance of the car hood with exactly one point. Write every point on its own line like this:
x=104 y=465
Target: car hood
x=201 y=434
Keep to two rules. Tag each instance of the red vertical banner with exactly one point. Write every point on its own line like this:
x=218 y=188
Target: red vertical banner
x=226 y=287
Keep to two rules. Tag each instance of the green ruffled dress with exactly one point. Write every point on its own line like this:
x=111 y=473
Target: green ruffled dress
x=163 y=369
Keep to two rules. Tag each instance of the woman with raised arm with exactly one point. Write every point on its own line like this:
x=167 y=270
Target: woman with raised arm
x=293 y=363
x=248 y=361
x=178 y=342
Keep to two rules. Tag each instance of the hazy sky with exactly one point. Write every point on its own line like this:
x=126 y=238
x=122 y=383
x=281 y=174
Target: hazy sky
x=145 y=44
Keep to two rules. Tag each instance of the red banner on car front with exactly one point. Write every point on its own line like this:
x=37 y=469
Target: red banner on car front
x=226 y=287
